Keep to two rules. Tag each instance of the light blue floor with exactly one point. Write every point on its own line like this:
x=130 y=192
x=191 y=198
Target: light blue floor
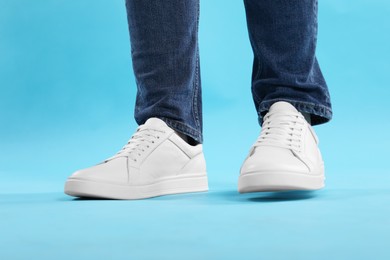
x=66 y=102
x=348 y=220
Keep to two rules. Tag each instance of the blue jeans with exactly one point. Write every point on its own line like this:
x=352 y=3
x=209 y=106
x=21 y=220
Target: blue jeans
x=165 y=56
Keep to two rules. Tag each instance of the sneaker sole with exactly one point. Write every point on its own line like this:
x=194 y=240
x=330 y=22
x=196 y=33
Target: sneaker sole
x=94 y=189
x=279 y=181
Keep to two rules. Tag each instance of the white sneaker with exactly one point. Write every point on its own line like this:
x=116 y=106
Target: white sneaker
x=155 y=161
x=285 y=156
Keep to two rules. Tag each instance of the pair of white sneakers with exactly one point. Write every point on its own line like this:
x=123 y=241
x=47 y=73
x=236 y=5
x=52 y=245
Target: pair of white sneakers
x=157 y=161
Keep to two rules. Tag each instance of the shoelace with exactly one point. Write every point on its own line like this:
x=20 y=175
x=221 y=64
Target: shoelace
x=282 y=130
x=141 y=140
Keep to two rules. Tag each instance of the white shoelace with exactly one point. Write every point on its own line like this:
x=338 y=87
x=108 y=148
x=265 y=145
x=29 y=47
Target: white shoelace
x=143 y=139
x=282 y=130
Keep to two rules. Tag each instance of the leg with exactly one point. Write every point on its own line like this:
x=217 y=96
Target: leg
x=165 y=55
x=156 y=160
x=283 y=36
x=289 y=91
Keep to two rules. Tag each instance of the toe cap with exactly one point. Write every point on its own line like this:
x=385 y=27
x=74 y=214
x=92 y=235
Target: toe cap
x=273 y=159
x=113 y=171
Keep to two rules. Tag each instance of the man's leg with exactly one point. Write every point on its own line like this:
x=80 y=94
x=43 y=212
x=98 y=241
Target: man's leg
x=156 y=160
x=165 y=55
x=283 y=35
x=289 y=93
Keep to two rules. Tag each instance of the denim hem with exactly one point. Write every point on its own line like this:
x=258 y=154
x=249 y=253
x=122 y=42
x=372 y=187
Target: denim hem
x=183 y=128
x=319 y=114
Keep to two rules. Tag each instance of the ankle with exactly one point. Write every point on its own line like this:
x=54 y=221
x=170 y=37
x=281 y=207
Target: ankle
x=307 y=117
x=189 y=140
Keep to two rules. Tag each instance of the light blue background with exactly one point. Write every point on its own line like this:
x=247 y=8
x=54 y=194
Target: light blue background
x=66 y=102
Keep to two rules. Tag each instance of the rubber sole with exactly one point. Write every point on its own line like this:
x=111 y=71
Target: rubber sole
x=279 y=181
x=93 y=189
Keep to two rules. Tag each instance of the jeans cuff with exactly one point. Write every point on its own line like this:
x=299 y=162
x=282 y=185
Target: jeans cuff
x=320 y=114
x=184 y=128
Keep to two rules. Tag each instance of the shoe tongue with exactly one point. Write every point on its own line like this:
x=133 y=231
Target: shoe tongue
x=282 y=106
x=155 y=123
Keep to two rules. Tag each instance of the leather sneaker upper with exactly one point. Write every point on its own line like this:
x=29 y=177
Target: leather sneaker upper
x=155 y=151
x=287 y=143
